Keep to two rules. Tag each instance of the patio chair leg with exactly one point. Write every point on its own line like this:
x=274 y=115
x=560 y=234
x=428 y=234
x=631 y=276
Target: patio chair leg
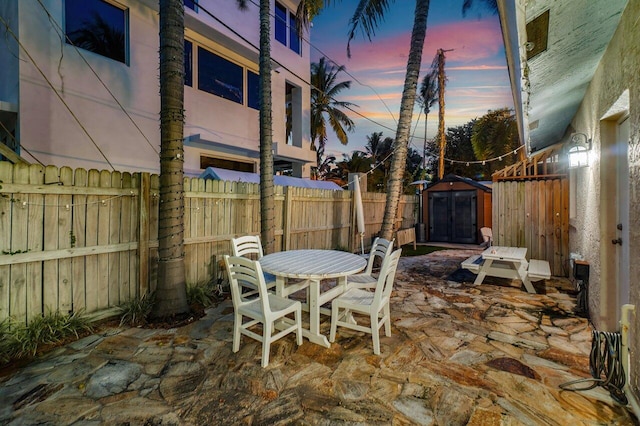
x=298 y=316
x=387 y=321
x=266 y=342
x=237 y=323
x=334 y=323
x=375 y=333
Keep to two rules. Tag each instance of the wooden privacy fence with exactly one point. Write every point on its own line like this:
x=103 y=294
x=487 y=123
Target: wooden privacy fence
x=531 y=209
x=78 y=240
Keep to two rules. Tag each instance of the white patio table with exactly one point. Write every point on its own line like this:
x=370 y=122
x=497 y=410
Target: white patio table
x=505 y=262
x=313 y=266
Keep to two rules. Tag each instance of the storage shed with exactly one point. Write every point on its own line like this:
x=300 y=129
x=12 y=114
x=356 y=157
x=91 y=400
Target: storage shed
x=455 y=209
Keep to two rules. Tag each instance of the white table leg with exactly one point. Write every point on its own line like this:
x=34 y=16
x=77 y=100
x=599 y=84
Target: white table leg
x=524 y=276
x=486 y=265
x=314 y=315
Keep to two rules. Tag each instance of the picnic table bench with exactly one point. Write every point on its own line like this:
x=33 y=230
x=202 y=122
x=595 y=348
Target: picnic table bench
x=507 y=262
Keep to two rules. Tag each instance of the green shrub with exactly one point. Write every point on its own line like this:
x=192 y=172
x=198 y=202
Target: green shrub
x=136 y=311
x=19 y=341
x=200 y=294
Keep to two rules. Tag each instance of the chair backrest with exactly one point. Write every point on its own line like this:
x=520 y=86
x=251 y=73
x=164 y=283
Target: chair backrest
x=386 y=277
x=246 y=246
x=242 y=269
x=487 y=235
x=380 y=248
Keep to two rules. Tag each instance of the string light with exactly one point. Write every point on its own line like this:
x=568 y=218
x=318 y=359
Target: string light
x=67 y=206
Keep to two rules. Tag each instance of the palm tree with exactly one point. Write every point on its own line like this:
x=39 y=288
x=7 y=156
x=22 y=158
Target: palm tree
x=170 y=293
x=366 y=18
x=267 y=189
x=325 y=164
x=427 y=97
x=324 y=90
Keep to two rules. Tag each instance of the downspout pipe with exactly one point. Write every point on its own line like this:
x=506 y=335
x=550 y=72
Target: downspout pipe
x=627 y=310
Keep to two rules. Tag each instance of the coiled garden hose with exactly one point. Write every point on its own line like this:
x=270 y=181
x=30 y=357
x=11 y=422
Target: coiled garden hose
x=605 y=365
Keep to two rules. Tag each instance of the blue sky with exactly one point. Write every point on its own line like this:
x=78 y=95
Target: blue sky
x=476 y=67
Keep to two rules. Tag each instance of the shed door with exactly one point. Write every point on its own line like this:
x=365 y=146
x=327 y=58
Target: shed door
x=452 y=216
x=439 y=216
x=463 y=215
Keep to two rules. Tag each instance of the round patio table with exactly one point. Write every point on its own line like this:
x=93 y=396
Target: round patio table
x=313 y=266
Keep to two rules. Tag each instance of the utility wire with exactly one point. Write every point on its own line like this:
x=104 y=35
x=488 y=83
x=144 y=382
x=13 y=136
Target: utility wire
x=62 y=34
x=21 y=146
x=10 y=31
x=339 y=65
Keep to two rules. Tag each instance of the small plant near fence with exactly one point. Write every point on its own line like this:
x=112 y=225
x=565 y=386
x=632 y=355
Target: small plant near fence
x=135 y=312
x=18 y=340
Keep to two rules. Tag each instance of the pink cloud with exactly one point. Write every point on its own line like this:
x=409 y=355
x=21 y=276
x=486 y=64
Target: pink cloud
x=471 y=40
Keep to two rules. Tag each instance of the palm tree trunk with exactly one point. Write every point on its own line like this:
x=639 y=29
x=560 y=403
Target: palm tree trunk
x=399 y=159
x=267 y=190
x=171 y=293
x=441 y=136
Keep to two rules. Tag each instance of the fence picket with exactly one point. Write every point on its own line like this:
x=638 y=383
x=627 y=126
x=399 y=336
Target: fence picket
x=50 y=268
x=78 y=239
x=19 y=243
x=65 y=222
x=6 y=176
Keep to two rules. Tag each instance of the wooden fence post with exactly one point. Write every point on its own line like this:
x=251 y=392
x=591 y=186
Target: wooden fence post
x=143 y=235
x=286 y=217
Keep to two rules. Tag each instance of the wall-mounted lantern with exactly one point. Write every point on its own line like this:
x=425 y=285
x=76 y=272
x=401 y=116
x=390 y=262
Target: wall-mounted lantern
x=578 y=152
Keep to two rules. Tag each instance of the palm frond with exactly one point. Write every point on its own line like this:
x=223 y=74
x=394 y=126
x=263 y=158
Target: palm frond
x=366 y=18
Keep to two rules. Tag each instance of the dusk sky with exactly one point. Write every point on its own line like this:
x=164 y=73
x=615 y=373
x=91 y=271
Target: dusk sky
x=476 y=67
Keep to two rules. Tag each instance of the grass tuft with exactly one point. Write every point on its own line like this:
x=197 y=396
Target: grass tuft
x=135 y=312
x=18 y=340
x=203 y=295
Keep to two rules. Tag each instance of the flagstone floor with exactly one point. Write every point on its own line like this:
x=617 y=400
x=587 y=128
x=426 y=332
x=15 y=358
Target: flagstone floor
x=459 y=355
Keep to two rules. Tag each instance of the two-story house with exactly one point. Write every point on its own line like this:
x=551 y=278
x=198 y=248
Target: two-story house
x=79 y=85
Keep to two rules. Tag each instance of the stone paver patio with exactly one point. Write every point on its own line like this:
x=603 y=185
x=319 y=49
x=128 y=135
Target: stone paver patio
x=459 y=355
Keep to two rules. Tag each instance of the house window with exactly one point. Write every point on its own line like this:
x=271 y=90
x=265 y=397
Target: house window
x=293 y=114
x=286 y=29
x=191 y=4
x=219 y=76
x=281 y=23
x=253 y=90
x=188 y=63
x=97 y=26
x=294 y=39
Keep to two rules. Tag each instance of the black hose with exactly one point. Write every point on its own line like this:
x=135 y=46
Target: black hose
x=605 y=365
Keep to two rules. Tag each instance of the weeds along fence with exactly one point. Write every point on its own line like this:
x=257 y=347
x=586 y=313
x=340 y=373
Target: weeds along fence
x=78 y=240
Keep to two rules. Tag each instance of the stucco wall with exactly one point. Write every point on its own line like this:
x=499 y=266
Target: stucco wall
x=53 y=133
x=613 y=93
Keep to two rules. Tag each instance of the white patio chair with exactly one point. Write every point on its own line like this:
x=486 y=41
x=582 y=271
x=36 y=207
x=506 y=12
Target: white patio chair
x=266 y=309
x=363 y=302
x=487 y=236
x=250 y=246
x=379 y=249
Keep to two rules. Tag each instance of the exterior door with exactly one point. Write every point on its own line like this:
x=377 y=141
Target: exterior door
x=439 y=215
x=452 y=216
x=463 y=217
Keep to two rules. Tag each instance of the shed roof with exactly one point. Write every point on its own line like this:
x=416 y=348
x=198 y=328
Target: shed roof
x=455 y=178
